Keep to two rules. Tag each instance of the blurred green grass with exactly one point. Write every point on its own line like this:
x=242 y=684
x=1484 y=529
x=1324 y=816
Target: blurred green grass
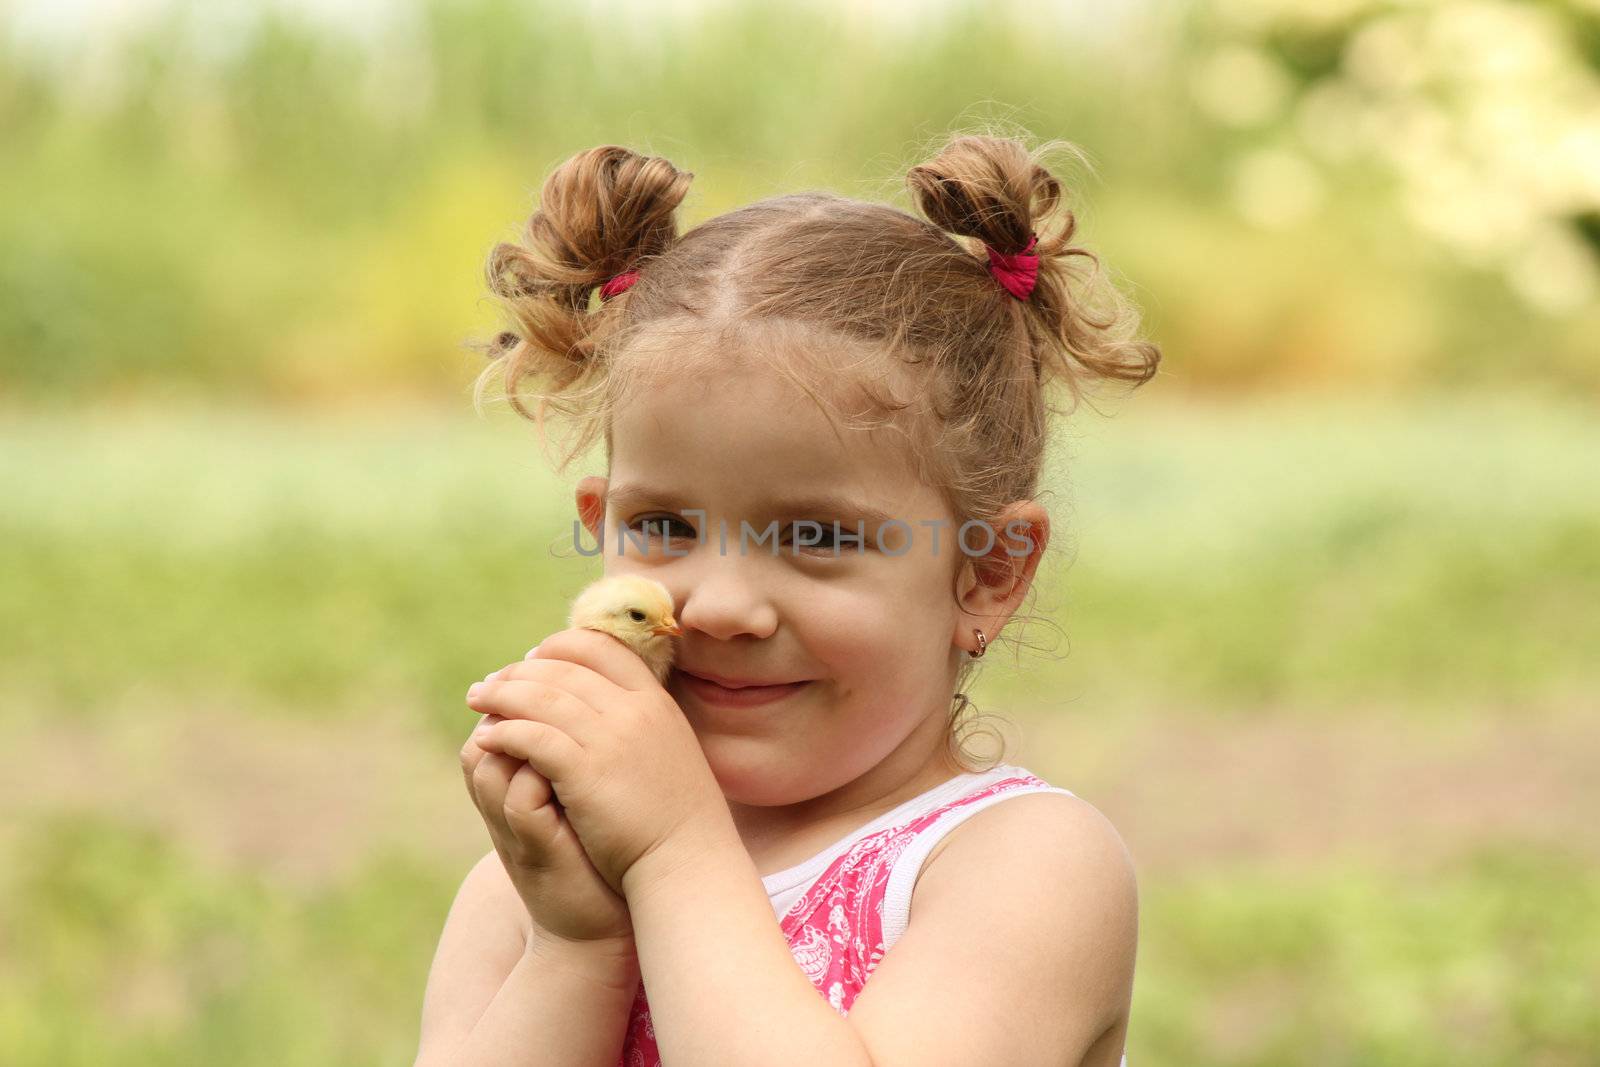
x=1490 y=961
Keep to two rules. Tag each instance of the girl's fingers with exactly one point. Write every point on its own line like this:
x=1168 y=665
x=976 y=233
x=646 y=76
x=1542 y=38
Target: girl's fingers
x=546 y=748
x=519 y=698
x=471 y=756
x=529 y=789
x=489 y=785
x=524 y=837
x=532 y=814
x=507 y=793
x=471 y=752
x=516 y=802
x=582 y=682
x=488 y=776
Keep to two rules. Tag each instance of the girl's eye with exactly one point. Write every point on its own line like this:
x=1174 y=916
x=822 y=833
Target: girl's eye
x=636 y=615
x=820 y=537
x=660 y=525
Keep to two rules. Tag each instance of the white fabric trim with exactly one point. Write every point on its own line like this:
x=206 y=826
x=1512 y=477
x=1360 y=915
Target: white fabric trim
x=785 y=887
x=903 y=877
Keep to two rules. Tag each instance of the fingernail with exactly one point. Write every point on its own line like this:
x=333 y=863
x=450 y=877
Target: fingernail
x=532 y=650
x=474 y=689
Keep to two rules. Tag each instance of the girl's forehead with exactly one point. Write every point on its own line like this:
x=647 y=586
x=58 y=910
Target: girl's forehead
x=744 y=423
x=811 y=359
x=743 y=417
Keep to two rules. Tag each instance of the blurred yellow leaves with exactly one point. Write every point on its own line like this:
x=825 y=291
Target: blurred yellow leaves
x=412 y=294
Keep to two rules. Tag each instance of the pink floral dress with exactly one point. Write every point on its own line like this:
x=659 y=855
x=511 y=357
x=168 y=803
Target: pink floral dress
x=857 y=904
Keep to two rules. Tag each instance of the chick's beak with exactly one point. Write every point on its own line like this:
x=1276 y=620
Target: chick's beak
x=668 y=628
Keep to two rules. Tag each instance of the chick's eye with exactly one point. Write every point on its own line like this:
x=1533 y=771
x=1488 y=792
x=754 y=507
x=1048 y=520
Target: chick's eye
x=636 y=615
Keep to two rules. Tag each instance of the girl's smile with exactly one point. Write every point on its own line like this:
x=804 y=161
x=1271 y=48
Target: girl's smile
x=740 y=695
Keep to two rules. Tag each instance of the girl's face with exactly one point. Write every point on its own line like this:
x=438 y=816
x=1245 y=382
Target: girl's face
x=700 y=468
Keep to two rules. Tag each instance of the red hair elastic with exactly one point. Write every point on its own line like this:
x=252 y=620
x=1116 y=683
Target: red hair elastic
x=1016 y=273
x=618 y=284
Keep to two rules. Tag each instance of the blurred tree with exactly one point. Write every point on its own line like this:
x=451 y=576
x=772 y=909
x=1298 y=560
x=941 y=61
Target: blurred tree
x=264 y=201
x=1484 y=114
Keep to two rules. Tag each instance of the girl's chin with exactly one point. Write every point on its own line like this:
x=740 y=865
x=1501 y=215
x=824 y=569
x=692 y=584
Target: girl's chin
x=754 y=783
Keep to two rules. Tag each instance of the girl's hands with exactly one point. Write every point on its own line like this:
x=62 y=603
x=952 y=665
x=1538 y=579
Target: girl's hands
x=588 y=714
x=560 y=887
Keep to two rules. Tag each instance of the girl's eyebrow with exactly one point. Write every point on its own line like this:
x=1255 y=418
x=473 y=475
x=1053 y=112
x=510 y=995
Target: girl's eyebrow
x=828 y=504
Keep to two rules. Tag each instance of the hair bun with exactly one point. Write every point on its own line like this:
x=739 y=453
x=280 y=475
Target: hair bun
x=990 y=188
x=995 y=190
x=600 y=213
x=604 y=211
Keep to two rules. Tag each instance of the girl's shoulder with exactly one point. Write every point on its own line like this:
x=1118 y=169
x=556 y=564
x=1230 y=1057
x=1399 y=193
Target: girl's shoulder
x=1033 y=833
x=1041 y=882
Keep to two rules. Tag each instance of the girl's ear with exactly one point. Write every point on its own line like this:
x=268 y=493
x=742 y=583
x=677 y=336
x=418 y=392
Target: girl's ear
x=591 y=499
x=991 y=584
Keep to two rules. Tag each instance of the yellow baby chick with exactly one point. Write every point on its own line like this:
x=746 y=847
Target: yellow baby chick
x=635 y=610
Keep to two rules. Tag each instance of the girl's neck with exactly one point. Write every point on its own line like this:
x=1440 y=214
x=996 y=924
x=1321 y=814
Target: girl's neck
x=779 y=837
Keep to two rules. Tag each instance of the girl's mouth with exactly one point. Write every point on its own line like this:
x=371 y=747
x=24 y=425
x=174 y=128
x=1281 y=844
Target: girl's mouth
x=748 y=696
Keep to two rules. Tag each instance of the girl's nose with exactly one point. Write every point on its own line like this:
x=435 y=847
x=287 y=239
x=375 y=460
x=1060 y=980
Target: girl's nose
x=723 y=602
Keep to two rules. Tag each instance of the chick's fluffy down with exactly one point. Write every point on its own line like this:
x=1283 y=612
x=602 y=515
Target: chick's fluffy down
x=636 y=611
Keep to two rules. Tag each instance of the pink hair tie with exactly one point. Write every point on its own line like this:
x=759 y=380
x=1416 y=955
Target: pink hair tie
x=1016 y=273
x=618 y=284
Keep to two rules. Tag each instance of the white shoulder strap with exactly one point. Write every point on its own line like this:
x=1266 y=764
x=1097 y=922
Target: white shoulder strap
x=908 y=865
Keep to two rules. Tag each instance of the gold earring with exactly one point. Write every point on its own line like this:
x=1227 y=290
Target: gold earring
x=983 y=644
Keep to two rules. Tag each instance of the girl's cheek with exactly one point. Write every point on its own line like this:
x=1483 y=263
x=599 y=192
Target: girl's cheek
x=896 y=540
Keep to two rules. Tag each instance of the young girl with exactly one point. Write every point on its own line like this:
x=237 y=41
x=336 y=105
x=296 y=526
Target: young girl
x=824 y=422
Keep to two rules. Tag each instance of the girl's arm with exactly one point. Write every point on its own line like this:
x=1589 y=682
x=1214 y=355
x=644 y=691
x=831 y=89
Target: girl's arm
x=503 y=992
x=1021 y=950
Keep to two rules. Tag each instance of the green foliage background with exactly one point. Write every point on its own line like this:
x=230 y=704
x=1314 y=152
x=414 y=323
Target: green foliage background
x=267 y=207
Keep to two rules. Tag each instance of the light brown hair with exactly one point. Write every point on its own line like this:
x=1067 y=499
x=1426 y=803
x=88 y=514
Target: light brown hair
x=942 y=353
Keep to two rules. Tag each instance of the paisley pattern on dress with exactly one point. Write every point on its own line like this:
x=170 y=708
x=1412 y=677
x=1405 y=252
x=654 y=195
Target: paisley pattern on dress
x=835 y=928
